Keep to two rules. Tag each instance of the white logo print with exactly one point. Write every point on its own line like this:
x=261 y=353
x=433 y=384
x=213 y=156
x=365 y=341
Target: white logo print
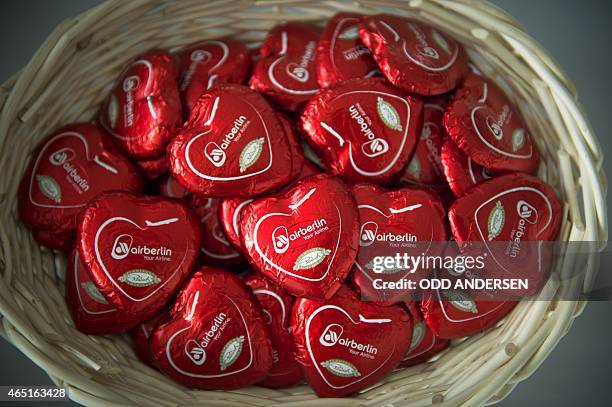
x=527 y=211
x=195 y=352
x=375 y=147
x=122 y=246
x=215 y=154
x=61 y=156
x=331 y=334
x=280 y=239
x=368 y=233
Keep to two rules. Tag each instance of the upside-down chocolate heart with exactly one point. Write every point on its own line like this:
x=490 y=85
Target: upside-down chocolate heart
x=215 y=335
x=511 y=219
x=346 y=345
x=91 y=312
x=286 y=73
x=138 y=249
x=208 y=63
x=233 y=145
x=276 y=306
x=424 y=344
x=414 y=56
x=144 y=110
x=68 y=169
x=340 y=53
x=304 y=239
x=460 y=171
x=487 y=127
x=409 y=221
x=364 y=130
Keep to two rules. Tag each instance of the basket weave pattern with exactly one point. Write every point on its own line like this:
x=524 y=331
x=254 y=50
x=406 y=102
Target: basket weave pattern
x=72 y=73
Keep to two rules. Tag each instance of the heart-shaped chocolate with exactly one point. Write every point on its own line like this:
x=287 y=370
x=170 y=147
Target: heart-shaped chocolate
x=137 y=249
x=144 y=110
x=414 y=56
x=487 y=127
x=276 y=306
x=68 y=169
x=305 y=239
x=141 y=335
x=208 y=63
x=509 y=219
x=460 y=171
x=154 y=168
x=230 y=218
x=393 y=222
x=424 y=344
x=288 y=38
x=215 y=335
x=346 y=345
x=363 y=129
x=233 y=145
x=90 y=310
x=340 y=53
x=169 y=187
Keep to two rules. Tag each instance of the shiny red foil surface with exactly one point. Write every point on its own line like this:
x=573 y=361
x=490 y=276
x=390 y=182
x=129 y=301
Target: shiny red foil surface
x=141 y=335
x=143 y=112
x=215 y=335
x=345 y=345
x=67 y=169
x=460 y=171
x=424 y=344
x=154 y=168
x=138 y=250
x=364 y=130
x=305 y=239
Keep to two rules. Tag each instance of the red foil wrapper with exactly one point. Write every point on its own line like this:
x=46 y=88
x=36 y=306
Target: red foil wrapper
x=487 y=127
x=363 y=129
x=424 y=344
x=460 y=171
x=154 y=168
x=216 y=248
x=345 y=345
x=508 y=218
x=340 y=53
x=90 y=310
x=144 y=110
x=233 y=145
x=138 y=250
x=230 y=218
x=305 y=239
x=288 y=38
x=169 y=187
x=391 y=223
x=208 y=63
x=276 y=307
x=414 y=56
x=214 y=336
x=141 y=335
x=68 y=169
x=425 y=167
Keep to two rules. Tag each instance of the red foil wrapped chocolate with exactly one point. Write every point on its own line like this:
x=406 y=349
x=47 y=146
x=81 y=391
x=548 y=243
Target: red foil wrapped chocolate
x=230 y=218
x=414 y=56
x=510 y=218
x=287 y=74
x=137 y=249
x=304 y=239
x=144 y=110
x=425 y=167
x=345 y=345
x=68 y=169
x=91 y=312
x=424 y=344
x=276 y=307
x=460 y=171
x=154 y=168
x=233 y=145
x=363 y=130
x=208 y=63
x=169 y=187
x=214 y=336
x=340 y=53
x=141 y=335
x=393 y=222
x=487 y=127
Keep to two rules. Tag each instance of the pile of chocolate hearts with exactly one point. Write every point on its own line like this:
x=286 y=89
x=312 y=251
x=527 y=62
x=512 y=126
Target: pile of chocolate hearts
x=224 y=225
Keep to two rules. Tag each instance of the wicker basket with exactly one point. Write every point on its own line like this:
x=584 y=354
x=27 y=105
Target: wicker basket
x=69 y=76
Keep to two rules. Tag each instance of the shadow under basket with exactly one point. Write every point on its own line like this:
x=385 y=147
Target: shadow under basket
x=73 y=71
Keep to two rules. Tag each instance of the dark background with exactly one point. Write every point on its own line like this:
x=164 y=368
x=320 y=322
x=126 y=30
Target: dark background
x=577 y=33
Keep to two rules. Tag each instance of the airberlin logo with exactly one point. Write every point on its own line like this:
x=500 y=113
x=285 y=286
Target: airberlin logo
x=527 y=215
x=369 y=234
x=332 y=336
x=375 y=146
x=216 y=152
x=196 y=350
x=496 y=125
x=129 y=84
x=282 y=238
x=124 y=246
x=62 y=158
